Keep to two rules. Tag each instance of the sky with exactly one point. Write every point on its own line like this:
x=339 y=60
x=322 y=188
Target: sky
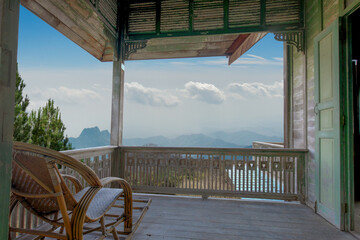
x=162 y=97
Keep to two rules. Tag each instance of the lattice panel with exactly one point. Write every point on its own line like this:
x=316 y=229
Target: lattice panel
x=282 y=11
x=142 y=17
x=174 y=15
x=193 y=17
x=208 y=14
x=244 y=13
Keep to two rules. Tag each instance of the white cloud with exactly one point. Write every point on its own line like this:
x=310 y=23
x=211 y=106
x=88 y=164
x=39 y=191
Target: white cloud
x=256 y=89
x=204 y=92
x=249 y=59
x=65 y=95
x=150 y=96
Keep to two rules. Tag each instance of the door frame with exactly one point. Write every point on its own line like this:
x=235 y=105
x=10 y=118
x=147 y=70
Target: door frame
x=346 y=107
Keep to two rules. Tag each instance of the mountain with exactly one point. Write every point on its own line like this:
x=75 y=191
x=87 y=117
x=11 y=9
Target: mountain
x=91 y=137
x=193 y=140
x=244 y=137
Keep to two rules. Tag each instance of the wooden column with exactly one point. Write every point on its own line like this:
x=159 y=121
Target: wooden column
x=9 y=25
x=117 y=107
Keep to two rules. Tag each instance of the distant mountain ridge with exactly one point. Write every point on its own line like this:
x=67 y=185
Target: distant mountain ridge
x=93 y=137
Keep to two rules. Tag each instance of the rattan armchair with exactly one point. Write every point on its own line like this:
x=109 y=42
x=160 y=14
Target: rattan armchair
x=39 y=186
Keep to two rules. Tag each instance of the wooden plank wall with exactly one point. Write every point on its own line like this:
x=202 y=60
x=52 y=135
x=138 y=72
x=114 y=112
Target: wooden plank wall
x=318 y=15
x=9 y=22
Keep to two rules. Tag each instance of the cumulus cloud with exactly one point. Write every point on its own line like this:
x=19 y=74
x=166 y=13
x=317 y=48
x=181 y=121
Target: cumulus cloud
x=256 y=89
x=149 y=96
x=66 y=95
x=204 y=92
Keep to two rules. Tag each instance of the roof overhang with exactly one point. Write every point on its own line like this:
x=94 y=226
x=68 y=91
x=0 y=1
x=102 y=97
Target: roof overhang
x=158 y=29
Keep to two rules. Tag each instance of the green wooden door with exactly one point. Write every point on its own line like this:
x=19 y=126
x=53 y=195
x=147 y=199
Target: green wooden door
x=327 y=100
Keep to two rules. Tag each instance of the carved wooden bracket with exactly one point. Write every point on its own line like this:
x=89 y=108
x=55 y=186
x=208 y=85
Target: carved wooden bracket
x=293 y=38
x=133 y=46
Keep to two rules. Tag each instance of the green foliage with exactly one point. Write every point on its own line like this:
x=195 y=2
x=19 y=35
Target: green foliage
x=48 y=128
x=21 y=122
x=44 y=127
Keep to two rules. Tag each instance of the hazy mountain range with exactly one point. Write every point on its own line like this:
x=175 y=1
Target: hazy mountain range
x=93 y=137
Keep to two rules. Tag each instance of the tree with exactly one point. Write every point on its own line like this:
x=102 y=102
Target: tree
x=48 y=128
x=44 y=127
x=22 y=127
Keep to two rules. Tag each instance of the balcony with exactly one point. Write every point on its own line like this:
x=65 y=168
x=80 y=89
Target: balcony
x=184 y=174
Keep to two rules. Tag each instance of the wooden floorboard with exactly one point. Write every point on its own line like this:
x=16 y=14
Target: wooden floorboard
x=180 y=218
x=194 y=218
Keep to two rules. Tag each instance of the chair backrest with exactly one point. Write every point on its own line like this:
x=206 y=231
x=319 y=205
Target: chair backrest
x=35 y=176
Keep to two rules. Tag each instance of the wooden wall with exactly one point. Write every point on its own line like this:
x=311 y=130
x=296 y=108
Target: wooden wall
x=318 y=15
x=9 y=22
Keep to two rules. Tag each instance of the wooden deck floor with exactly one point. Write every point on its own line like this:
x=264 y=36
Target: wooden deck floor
x=194 y=218
x=173 y=217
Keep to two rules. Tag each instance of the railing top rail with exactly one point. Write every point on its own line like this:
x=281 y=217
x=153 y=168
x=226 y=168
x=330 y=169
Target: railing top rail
x=280 y=151
x=270 y=144
x=88 y=152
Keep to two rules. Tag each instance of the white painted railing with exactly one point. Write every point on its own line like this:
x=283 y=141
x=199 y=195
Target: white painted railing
x=256 y=173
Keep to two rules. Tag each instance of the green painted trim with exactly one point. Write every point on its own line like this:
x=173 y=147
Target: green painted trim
x=274 y=28
x=263 y=12
x=321 y=15
x=191 y=15
x=158 y=16
x=226 y=14
x=350 y=9
x=302 y=13
x=347 y=79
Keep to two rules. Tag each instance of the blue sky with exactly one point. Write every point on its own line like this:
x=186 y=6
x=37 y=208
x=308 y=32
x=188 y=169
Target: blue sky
x=162 y=97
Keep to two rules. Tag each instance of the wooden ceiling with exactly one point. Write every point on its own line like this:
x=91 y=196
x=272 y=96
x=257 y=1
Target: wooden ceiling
x=91 y=25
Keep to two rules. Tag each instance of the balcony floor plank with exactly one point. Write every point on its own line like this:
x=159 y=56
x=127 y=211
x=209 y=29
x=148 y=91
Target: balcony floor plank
x=179 y=218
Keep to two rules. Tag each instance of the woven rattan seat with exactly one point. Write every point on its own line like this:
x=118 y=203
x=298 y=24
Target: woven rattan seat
x=101 y=202
x=39 y=186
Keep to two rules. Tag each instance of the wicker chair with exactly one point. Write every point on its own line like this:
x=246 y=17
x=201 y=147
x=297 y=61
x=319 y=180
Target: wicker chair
x=39 y=186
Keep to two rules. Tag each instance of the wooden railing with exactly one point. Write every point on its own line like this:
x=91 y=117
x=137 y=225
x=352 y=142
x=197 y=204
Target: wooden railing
x=267 y=145
x=255 y=173
x=99 y=159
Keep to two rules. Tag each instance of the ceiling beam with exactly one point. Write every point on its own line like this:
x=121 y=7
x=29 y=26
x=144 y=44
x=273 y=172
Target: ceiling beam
x=243 y=45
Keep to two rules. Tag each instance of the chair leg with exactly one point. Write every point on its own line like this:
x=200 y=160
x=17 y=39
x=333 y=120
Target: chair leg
x=103 y=228
x=115 y=235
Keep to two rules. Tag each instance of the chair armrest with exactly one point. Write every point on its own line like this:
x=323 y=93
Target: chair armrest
x=127 y=199
x=74 y=181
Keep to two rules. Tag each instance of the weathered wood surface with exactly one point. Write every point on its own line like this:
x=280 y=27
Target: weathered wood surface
x=179 y=218
x=267 y=145
x=261 y=173
x=78 y=22
x=193 y=218
x=319 y=15
x=9 y=25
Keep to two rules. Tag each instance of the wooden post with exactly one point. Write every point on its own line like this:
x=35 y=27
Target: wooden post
x=9 y=26
x=117 y=107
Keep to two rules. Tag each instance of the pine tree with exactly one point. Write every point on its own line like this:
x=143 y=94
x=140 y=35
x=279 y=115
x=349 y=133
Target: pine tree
x=21 y=122
x=48 y=128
